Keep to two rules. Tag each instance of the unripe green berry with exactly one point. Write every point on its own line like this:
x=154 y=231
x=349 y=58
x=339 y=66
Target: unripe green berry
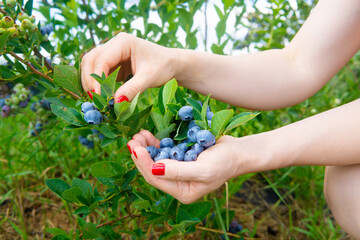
x=37 y=106
x=7 y=22
x=40 y=111
x=33 y=28
x=2 y=29
x=1 y=15
x=21 y=31
x=26 y=24
x=96 y=139
x=90 y=137
x=24 y=90
x=13 y=32
x=32 y=19
x=11 y=3
x=15 y=100
x=8 y=101
x=22 y=97
x=14 y=107
x=22 y=16
x=44 y=118
x=19 y=85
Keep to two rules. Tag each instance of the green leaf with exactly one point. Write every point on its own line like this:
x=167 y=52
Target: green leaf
x=106 y=169
x=165 y=132
x=107 y=132
x=196 y=108
x=82 y=210
x=181 y=132
x=181 y=227
x=219 y=122
x=158 y=120
x=66 y=115
x=169 y=91
x=106 y=141
x=129 y=176
x=174 y=108
x=201 y=124
x=3 y=40
x=160 y=100
x=109 y=83
x=83 y=185
x=66 y=76
x=204 y=109
x=3 y=198
x=141 y=204
x=56 y=231
x=239 y=120
x=99 y=101
x=130 y=110
x=120 y=108
x=71 y=194
x=199 y=210
x=90 y=231
x=56 y=185
x=182 y=215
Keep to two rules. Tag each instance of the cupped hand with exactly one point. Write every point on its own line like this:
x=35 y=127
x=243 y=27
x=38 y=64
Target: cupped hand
x=186 y=181
x=149 y=63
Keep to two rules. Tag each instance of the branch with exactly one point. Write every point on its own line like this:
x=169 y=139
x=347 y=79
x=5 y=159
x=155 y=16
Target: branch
x=40 y=73
x=39 y=55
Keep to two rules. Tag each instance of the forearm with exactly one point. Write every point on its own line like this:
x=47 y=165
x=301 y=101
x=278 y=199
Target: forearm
x=330 y=138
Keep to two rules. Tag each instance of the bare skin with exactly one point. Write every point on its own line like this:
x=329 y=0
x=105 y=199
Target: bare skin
x=267 y=80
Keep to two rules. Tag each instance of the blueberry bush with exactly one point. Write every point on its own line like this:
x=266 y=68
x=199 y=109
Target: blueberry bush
x=59 y=146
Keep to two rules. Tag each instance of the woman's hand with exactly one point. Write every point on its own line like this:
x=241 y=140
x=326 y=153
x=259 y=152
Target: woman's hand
x=150 y=64
x=188 y=181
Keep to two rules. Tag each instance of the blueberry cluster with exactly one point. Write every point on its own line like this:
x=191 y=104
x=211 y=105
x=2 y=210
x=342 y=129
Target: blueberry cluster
x=25 y=27
x=235 y=227
x=91 y=114
x=46 y=30
x=11 y=100
x=42 y=109
x=188 y=150
x=90 y=139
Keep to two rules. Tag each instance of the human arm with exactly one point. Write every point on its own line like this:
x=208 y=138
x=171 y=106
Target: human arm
x=329 y=138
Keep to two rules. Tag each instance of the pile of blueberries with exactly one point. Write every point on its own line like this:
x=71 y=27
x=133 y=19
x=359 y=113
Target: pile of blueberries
x=90 y=139
x=13 y=98
x=91 y=114
x=188 y=150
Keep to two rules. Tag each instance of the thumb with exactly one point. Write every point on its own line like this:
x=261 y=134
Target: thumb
x=138 y=83
x=180 y=170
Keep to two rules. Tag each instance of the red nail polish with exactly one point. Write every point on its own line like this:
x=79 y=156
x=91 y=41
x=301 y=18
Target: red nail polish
x=90 y=94
x=135 y=154
x=129 y=148
x=121 y=99
x=158 y=169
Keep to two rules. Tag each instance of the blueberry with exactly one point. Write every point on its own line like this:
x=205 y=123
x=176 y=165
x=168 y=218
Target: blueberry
x=93 y=117
x=192 y=124
x=209 y=115
x=33 y=133
x=177 y=153
x=166 y=149
x=111 y=104
x=192 y=133
x=90 y=145
x=186 y=113
x=209 y=123
x=87 y=106
x=94 y=131
x=35 y=106
x=83 y=140
x=5 y=111
x=46 y=105
x=183 y=146
x=197 y=148
x=23 y=104
x=235 y=227
x=205 y=138
x=190 y=155
x=101 y=136
x=153 y=151
x=2 y=102
x=162 y=155
x=167 y=142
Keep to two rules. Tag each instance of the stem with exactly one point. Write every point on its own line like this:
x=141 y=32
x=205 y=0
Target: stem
x=39 y=55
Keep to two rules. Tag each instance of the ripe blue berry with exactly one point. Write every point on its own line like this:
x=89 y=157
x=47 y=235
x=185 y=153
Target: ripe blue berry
x=209 y=123
x=186 y=113
x=153 y=151
x=183 y=146
x=192 y=124
x=167 y=142
x=205 y=138
x=192 y=133
x=161 y=155
x=23 y=104
x=101 y=136
x=87 y=106
x=93 y=117
x=83 y=140
x=166 y=149
x=2 y=102
x=90 y=145
x=177 y=153
x=5 y=111
x=190 y=156
x=46 y=105
x=209 y=115
x=197 y=148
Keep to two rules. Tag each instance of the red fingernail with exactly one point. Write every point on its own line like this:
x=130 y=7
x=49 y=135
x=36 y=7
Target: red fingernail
x=129 y=148
x=158 y=169
x=135 y=154
x=121 y=99
x=90 y=94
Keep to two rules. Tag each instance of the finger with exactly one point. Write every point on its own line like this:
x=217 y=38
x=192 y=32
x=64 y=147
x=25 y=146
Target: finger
x=184 y=171
x=150 y=139
x=87 y=69
x=140 y=139
x=138 y=83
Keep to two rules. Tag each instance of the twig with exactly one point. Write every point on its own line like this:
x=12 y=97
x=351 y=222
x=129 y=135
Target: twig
x=40 y=73
x=39 y=55
x=220 y=231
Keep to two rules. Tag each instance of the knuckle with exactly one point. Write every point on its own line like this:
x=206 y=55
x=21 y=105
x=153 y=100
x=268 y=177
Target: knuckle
x=133 y=89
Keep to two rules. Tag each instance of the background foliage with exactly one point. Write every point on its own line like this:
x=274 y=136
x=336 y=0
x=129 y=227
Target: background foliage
x=285 y=203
